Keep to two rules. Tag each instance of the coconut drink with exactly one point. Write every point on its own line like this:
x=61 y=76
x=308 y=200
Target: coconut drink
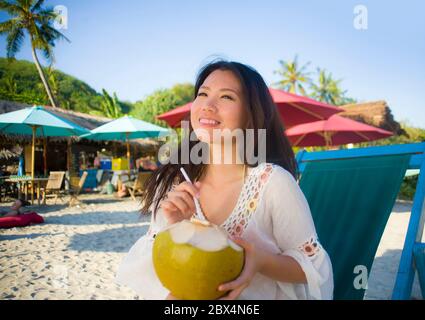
x=193 y=257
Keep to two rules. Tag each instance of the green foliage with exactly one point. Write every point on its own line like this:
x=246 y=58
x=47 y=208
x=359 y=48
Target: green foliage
x=327 y=89
x=110 y=105
x=295 y=78
x=71 y=93
x=162 y=101
x=408 y=188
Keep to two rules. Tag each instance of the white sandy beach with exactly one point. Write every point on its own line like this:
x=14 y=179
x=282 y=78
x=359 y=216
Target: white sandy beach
x=76 y=252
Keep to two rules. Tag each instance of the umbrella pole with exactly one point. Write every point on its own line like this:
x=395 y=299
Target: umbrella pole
x=34 y=128
x=128 y=156
x=45 y=155
x=68 y=152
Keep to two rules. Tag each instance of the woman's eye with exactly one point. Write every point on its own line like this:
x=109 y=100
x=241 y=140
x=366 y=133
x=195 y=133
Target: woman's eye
x=202 y=94
x=227 y=97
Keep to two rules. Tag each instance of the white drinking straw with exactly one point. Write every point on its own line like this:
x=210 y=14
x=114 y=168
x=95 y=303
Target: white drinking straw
x=197 y=205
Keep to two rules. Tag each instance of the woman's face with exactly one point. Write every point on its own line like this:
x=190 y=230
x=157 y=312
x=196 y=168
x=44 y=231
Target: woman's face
x=16 y=205
x=219 y=105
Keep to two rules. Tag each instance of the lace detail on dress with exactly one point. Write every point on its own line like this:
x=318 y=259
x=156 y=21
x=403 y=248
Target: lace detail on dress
x=238 y=220
x=311 y=247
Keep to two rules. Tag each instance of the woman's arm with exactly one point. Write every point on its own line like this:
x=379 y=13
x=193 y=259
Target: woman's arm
x=278 y=267
x=281 y=268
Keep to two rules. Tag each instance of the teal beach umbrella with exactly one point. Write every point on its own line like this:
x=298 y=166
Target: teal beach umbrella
x=125 y=129
x=38 y=122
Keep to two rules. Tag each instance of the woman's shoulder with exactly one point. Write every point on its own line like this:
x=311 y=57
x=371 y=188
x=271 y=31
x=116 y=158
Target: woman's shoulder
x=271 y=171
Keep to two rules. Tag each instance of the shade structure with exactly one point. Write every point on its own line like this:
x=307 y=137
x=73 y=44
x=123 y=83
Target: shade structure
x=334 y=131
x=175 y=116
x=38 y=122
x=125 y=129
x=46 y=123
x=293 y=110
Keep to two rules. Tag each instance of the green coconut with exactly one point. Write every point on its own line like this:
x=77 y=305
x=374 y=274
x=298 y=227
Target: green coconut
x=192 y=258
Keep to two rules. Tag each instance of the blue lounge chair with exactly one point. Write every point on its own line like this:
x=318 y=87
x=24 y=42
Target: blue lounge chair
x=351 y=194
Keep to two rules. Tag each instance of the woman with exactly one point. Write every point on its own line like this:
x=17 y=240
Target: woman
x=264 y=209
x=16 y=209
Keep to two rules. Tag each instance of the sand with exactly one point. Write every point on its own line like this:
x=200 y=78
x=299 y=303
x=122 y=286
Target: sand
x=76 y=252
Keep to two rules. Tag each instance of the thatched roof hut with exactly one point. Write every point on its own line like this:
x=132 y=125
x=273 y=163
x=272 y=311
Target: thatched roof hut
x=82 y=119
x=57 y=145
x=375 y=113
x=85 y=120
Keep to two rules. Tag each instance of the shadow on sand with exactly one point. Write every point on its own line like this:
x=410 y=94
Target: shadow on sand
x=97 y=218
x=112 y=240
x=383 y=275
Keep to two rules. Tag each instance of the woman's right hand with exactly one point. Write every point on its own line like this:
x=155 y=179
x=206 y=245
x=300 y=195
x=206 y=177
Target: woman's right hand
x=179 y=204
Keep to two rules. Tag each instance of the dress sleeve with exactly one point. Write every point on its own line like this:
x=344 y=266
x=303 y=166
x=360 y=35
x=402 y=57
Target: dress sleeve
x=295 y=234
x=136 y=269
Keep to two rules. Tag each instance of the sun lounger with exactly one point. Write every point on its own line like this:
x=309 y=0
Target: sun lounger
x=351 y=194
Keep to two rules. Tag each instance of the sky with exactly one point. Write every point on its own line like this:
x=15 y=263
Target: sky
x=136 y=47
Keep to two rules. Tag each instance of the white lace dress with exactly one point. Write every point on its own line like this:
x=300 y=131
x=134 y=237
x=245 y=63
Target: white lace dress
x=271 y=212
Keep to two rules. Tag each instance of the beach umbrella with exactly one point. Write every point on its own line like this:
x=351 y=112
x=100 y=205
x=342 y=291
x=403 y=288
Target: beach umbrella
x=175 y=116
x=125 y=129
x=334 y=131
x=38 y=122
x=293 y=110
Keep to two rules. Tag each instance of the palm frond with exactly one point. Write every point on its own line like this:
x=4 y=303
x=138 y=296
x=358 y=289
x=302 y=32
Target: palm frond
x=11 y=8
x=53 y=33
x=14 y=41
x=7 y=26
x=37 y=6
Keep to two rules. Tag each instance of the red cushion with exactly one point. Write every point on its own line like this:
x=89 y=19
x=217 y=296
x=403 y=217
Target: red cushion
x=21 y=220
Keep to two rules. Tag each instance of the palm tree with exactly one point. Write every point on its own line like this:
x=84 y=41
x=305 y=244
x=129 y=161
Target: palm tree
x=326 y=89
x=293 y=76
x=110 y=105
x=10 y=84
x=28 y=16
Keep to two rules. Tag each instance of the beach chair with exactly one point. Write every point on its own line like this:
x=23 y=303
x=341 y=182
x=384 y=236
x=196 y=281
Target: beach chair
x=53 y=186
x=74 y=191
x=351 y=194
x=138 y=185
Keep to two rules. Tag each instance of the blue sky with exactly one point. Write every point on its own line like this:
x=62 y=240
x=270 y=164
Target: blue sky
x=136 y=47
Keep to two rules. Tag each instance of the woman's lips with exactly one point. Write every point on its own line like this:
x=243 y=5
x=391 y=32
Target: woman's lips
x=205 y=122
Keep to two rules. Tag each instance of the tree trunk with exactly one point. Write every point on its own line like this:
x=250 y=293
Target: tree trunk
x=43 y=78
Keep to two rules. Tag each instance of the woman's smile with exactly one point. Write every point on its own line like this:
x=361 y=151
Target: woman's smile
x=208 y=122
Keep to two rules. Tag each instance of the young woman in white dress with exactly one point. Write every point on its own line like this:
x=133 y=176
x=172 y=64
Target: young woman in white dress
x=260 y=205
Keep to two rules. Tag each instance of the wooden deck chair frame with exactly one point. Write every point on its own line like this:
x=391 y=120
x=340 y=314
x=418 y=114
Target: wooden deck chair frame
x=74 y=192
x=139 y=184
x=53 y=186
x=413 y=252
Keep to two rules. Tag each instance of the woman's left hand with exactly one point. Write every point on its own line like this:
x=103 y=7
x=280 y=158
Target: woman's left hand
x=253 y=263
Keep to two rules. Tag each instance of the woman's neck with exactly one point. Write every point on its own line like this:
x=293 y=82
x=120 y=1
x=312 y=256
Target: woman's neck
x=221 y=170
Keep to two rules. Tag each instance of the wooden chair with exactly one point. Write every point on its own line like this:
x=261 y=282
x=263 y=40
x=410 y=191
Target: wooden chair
x=53 y=186
x=139 y=183
x=74 y=191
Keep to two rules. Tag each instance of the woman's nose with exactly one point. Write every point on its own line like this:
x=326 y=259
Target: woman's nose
x=209 y=106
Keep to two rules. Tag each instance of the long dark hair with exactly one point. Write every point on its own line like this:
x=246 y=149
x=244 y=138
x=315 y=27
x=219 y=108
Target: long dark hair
x=262 y=114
